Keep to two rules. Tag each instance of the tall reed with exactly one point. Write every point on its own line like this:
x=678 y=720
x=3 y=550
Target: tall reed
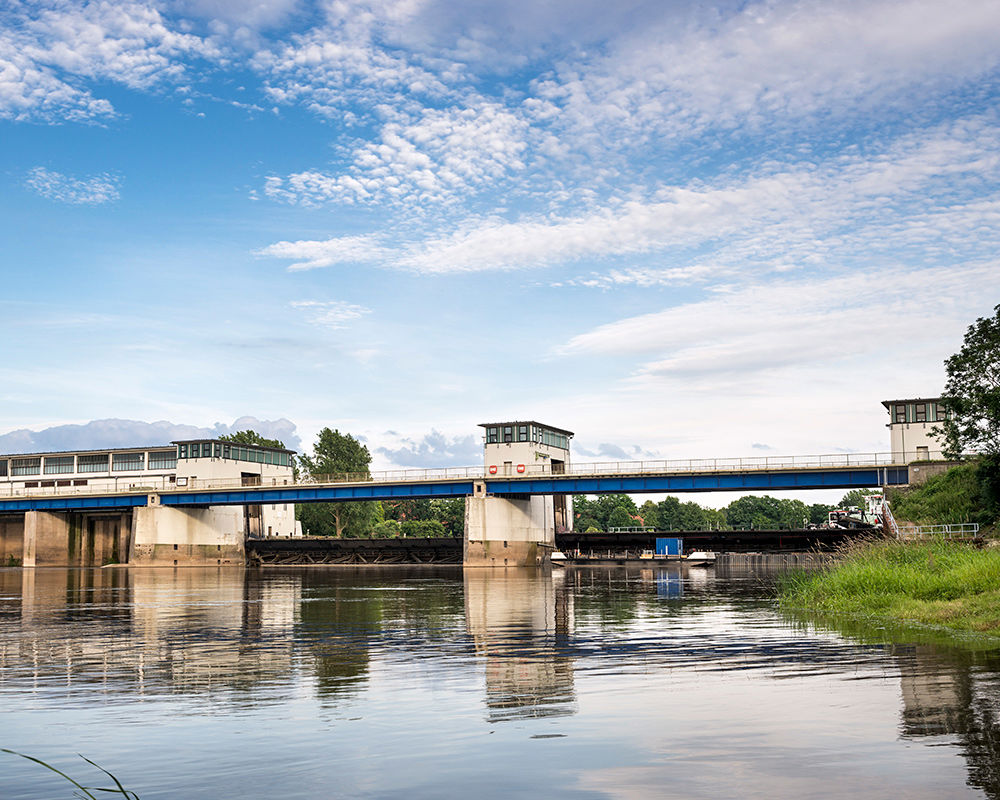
x=82 y=791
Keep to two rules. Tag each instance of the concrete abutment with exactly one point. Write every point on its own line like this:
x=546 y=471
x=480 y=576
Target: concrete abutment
x=508 y=532
x=171 y=536
x=74 y=539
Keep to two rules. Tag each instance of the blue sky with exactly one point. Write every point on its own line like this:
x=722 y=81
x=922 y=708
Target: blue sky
x=678 y=230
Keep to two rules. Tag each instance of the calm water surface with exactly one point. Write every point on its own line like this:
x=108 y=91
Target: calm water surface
x=314 y=683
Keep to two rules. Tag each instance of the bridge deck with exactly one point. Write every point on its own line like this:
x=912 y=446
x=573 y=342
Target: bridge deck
x=803 y=472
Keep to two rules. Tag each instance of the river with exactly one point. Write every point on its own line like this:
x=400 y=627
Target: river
x=434 y=682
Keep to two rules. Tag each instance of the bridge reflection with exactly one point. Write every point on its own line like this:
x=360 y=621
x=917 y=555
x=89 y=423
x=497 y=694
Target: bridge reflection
x=521 y=622
x=530 y=644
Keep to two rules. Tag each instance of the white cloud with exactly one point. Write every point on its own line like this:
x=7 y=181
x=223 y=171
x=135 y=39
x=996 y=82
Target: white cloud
x=254 y=14
x=48 y=50
x=31 y=91
x=927 y=192
x=438 y=156
x=647 y=277
x=76 y=191
x=434 y=449
x=340 y=64
x=101 y=433
x=770 y=327
x=328 y=253
x=332 y=315
x=770 y=64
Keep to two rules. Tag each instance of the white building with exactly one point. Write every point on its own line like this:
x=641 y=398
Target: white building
x=198 y=463
x=911 y=424
x=530 y=448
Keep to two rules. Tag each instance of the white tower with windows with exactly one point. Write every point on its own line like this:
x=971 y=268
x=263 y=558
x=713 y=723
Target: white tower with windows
x=517 y=531
x=911 y=429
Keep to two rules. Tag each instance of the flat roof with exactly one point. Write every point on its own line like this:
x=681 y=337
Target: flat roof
x=145 y=449
x=888 y=403
x=234 y=444
x=552 y=428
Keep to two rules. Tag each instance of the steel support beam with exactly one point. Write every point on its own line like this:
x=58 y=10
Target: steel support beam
x=702 y=482
x=73 y=503
x=761 y=480
x=359 y=492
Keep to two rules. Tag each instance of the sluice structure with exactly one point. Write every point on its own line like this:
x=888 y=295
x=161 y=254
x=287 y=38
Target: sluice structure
x=206 y=502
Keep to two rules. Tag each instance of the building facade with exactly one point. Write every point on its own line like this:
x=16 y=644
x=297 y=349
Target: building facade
x=530 y=448
x=911 y=429
x=197 y=463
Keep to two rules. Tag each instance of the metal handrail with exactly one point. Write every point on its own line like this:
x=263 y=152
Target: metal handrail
x=889 y=519
x=948 y=531
x=162 y=484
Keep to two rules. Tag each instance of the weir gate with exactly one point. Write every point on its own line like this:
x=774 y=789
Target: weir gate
x=513 y=507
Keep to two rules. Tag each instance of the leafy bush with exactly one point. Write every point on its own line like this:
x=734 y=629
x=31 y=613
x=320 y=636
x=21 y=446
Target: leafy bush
x=966 y=493
x=425 y=528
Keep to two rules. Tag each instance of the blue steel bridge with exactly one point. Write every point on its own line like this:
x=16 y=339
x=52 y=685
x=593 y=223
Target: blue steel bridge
x=838 y=471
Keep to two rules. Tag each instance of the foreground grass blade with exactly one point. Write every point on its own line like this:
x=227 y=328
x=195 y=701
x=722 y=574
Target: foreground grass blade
x=83 y=792
x=121 y=789
x=82 y=788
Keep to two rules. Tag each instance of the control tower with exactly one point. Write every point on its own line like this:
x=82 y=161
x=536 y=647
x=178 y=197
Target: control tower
x=530 y=448
x=517 y=530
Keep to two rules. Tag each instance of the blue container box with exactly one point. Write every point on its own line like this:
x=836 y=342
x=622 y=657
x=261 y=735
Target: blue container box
x=669 y=547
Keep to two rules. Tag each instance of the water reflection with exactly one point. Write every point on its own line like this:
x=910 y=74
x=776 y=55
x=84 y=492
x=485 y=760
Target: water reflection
x=664 y=667
x=521 y=622
x=949 y=690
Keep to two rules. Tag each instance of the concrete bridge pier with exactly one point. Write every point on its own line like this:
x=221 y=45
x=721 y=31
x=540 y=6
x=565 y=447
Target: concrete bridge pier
x=177 y=536
x=61 y=539
x=508 y=531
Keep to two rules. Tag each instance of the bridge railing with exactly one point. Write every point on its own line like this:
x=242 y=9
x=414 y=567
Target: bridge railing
x=965 y=530
x=162 y=484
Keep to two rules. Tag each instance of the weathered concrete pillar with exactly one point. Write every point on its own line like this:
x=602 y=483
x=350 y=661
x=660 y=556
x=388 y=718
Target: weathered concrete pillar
x=12 y=540
x=507 y=532
x=46 y=539
x=171 y=536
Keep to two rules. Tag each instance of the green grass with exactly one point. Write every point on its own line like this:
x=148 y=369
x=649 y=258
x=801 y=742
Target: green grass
x=83 y=792
x=965 y=493
x=930 y=583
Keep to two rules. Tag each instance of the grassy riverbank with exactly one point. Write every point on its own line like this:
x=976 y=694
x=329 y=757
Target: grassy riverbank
x=931 y=583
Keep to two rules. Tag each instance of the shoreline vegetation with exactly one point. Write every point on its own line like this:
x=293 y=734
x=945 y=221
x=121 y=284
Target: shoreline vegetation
x=931 y=582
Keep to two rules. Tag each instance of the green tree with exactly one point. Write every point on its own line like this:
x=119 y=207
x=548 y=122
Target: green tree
x=670 y=514
x=650 y=514
x=338 y=455
x=819 y=513
x=691 y=517
x=584 y=514
x=251 y=438
x=793 y=514
x=451 y=514
x=408 y=509
x=425 y=528
x=855 y=497
x=972 y=392
x=754 y=512
x=620 y=518
x=387 y=529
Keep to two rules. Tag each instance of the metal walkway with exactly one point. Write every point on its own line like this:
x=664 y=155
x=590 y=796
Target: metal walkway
x=837 y=471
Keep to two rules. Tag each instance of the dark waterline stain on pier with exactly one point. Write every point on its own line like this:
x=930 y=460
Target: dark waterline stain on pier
x=304 y=683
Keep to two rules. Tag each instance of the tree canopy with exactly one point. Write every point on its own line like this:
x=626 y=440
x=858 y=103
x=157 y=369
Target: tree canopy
x=251 y=438
x=972 y=391
x=670 y=514
x=336 y=454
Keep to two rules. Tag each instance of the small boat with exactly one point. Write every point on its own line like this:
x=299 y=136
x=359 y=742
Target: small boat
x=558 y=558
x=699 y=558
